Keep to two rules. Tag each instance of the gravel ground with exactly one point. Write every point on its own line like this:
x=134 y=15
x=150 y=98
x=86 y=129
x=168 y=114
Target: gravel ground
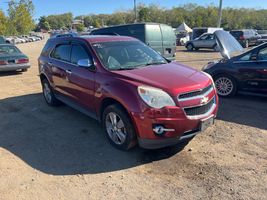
x=58 y=153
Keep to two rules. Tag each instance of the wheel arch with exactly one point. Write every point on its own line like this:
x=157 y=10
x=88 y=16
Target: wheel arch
x=108 y=101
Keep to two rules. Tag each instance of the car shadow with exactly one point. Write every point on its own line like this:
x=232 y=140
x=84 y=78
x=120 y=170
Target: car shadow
x=12 y=73
x=244 y=110
x=62 y=141
x=197 y=51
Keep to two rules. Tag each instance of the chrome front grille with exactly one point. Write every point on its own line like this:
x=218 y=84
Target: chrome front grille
x=195 y=94
x=199 y=103
x=200 y=110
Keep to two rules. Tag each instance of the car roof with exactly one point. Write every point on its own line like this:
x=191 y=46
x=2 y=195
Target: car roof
x=10 y=45
x=96 y=38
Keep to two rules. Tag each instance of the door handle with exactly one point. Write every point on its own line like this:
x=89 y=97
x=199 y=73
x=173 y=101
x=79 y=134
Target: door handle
x=68 y=71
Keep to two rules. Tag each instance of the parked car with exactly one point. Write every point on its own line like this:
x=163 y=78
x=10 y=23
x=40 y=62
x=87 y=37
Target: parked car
x=197 y=32
x=246 y=37
x=138 y=95
x=263 y=35
x=28 y=38
x=2 y=40
x=239 y=71
x=12 y=59
x=160 y=37
x=207 y=41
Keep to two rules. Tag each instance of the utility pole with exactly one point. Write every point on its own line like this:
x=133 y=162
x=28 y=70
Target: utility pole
x=220 y=14
x=135 y=12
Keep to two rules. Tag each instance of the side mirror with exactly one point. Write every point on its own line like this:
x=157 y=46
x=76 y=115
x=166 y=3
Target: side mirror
x=254 y=57
x=85 y=63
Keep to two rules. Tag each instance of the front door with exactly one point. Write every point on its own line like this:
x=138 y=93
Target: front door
x=253 y=71
x=82 y=80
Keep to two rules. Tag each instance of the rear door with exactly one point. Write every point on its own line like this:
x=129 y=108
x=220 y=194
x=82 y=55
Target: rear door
x=60 y=67
x=154 y=37
x=168 y=41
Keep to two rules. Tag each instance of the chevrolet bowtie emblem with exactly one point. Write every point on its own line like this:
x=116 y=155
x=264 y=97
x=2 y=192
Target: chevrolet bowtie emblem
x=204 y=100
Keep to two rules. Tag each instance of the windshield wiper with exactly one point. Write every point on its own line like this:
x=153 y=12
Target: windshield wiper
x=155 y=63
x=121 y=69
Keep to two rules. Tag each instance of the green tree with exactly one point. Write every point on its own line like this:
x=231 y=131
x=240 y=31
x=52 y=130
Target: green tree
x=3 y=23
x=43 y=24
x=20 y=17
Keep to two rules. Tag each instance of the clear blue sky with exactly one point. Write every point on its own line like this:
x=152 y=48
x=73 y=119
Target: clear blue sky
x=81 y=7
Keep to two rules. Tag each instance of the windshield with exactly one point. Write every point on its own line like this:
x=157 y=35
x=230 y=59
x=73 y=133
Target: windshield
x=8 y=50
x=126 y=55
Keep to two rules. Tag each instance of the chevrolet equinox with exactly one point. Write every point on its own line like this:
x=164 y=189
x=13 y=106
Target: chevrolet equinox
x=137 y=95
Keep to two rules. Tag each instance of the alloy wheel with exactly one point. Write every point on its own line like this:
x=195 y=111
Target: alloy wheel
x=224 y=86
x=115 y=128
x=47 y=92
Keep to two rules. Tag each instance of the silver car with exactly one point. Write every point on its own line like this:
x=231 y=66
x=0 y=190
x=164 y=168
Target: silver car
x=206 y=40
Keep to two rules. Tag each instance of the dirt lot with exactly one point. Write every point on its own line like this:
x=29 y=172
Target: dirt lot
x=58 y=153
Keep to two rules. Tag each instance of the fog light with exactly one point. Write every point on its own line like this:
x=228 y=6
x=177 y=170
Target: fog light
x=159 y=129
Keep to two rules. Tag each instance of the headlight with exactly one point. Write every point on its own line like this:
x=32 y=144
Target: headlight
x=209 y=65
x=208 y=75
x=155 y=98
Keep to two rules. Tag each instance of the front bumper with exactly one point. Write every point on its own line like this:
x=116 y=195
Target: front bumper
x=14 y=67
x=160 y=143
x=173 y=118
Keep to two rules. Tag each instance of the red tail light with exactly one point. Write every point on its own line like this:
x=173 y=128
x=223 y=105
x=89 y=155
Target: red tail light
x=21 y=61
x=2 y=62
x=241 y=37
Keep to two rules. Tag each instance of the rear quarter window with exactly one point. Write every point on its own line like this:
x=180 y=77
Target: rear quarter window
x=47 y=49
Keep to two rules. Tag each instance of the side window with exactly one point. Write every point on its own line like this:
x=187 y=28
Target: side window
x=245 y=57
x=263 y=54
x=78 y=53
x=62 y=52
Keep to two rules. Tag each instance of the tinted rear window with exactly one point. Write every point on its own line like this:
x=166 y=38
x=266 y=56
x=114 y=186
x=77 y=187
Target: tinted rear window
x=236 y=34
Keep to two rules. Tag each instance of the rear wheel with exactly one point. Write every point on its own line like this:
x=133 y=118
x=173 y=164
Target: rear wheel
x=49 y=94
x=225 y=85
x=118 y=127
x=190 y=47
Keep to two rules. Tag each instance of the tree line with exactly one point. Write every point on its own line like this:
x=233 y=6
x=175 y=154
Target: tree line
x=192 y=14
x=19 y=18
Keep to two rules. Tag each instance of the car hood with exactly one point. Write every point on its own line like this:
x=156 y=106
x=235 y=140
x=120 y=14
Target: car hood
x=228 y=45
x=173 y=77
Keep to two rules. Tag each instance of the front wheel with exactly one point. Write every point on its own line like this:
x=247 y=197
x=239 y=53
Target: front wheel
x=225 y=85
x=118 y=127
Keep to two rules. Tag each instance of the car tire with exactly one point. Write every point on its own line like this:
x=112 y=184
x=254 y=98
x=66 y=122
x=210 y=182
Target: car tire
x=190 y=47
x=225 y=85
x=216 y=48
x=118 y=127
x=24 y=70
x=48 y=94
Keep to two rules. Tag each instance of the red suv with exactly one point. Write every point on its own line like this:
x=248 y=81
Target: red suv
x=138 y=96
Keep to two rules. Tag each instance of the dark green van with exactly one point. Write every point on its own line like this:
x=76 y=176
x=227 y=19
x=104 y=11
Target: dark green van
x=160 y=37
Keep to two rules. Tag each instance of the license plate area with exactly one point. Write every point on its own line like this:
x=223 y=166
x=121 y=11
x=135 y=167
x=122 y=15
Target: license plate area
x=206 y=123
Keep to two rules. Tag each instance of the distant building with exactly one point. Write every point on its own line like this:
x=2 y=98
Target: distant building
x=76 y=22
